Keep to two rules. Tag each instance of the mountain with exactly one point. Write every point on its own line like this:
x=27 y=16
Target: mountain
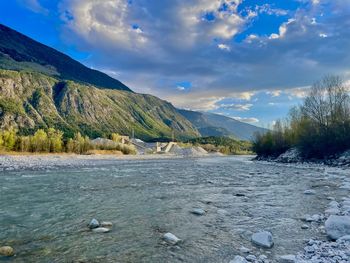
x=19 y=52
x=41 y=87
x=210 y=124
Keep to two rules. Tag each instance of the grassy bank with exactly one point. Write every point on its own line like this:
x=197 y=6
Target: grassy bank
x=53 y=141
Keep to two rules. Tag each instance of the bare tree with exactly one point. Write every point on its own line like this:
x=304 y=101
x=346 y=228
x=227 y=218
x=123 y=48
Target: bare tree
x=328 y=102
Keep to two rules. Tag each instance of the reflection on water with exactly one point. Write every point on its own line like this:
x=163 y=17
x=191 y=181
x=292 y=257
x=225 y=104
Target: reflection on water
x=43 y=214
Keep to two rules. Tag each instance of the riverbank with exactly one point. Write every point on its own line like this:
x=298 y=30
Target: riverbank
x=293 y=156
x=43 y=161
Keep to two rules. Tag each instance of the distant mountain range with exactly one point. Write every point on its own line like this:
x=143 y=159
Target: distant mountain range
x=210 y=124
x=41 y=87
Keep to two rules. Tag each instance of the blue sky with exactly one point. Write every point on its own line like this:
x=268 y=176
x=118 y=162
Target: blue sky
x=247 y=59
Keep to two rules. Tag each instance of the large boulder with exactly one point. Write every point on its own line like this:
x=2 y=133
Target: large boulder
x=337 y=226
x=263 y=239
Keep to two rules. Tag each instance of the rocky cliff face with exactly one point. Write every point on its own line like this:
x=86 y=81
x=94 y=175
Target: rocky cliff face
x=29 y=101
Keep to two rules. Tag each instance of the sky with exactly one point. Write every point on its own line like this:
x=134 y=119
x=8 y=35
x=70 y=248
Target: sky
x=251 y=60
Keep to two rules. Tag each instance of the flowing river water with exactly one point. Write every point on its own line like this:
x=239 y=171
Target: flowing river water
x=44 y=213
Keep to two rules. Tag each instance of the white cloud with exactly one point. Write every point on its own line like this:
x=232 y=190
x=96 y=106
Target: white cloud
x=180 y=88
x=224 y=47
x=269 y=10
x=247 y=120
x=238 y=107
x=300 y=92
x=35 y=6
x=100 y=21
x=152 y=45
x=274 y=93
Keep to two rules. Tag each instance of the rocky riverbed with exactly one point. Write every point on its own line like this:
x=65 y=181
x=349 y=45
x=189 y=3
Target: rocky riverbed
x=293 y=156
x=226 y=209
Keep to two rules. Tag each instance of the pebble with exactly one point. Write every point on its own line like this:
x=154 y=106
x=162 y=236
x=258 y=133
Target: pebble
x=309 y=192
x=198 y=212
x=171 y=238
x=263 y=239
x=244 y=249
x=238 y=259
x=250 y=258
x=101 y=230
x=305 y=227
x=93 y=224
x=7 y=251
x=287 y=259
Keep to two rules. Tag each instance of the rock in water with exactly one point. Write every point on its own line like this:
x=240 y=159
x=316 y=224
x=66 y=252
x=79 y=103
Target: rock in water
x=287 y=259
x=106 y=224
x=94 y=224
x=309 y=192
x=171 y=238
x=101 y=230
x=238 y=259
x=198 y=212
x=7 y=251
x=337 y=226
x=263 y=239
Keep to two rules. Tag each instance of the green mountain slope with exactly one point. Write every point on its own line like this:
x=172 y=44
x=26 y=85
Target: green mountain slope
x=33 y=100
x=19 y=52
x=210 y=124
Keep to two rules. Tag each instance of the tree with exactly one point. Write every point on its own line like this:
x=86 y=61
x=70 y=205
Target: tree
x=116 y=137
x=9 y=139
x=55 y=140
x=39 y=141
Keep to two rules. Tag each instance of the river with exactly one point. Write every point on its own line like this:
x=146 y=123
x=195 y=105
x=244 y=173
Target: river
x=44 y=213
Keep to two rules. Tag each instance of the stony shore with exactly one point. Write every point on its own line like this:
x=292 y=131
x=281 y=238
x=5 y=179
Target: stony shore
x=293 y=156
x=9 y=162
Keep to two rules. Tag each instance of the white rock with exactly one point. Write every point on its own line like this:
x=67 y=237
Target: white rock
x=305 y=227
x=313 y=218
x=244 y=249
x=345 y=238
x=332 y=211
x=346 y=203
x=333 y=204
x=171 y=238
x=309 y=192
x=250 y=258
x=287 y=259
x=94 y=224
x=263 y=258
x=337 y=226
x=238 y=259
x=198 y=211
x=101 y=230
x=346 y=185
x=263 y=239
